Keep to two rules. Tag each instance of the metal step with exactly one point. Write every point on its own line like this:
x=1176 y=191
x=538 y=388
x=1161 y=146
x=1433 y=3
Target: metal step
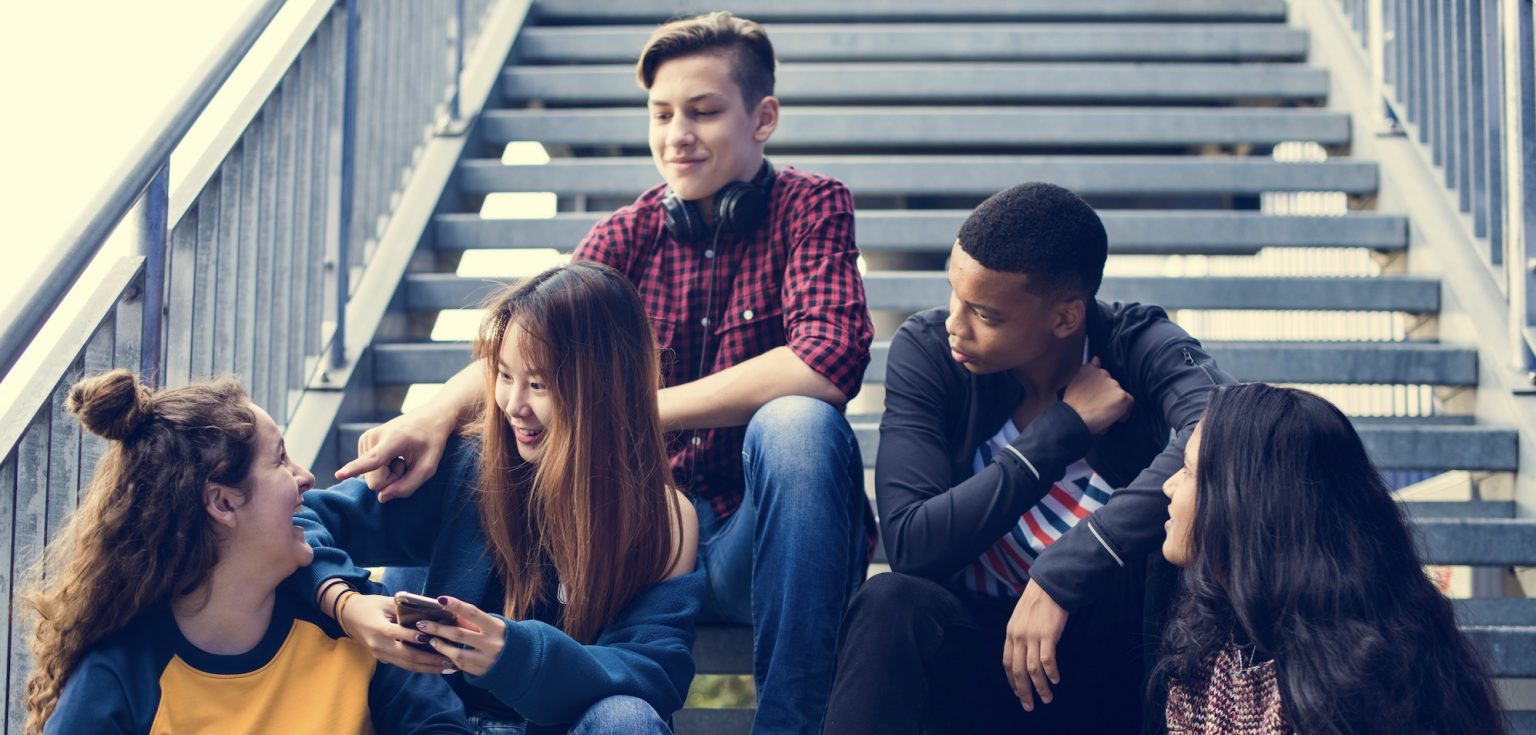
x=1130 y=231
x=1430 y=448
x=1503 y=626
x=843 y=128
x=961 y=175
x=657 y=11
x=1353 y=363
x=723 y=721
x=794 y=43
x=929 y=82
x=912 y=291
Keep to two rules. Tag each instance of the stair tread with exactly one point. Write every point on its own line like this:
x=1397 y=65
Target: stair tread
x=797 y=42
x=990 y=81
x=959 y=175
x=1431 y=446
x=651 y=11
x=910 y=291
x=1130 y=231
x=930 y=126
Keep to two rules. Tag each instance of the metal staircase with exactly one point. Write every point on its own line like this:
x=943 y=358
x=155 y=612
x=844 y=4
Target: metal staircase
x=1165 y=115
x=1219 y=158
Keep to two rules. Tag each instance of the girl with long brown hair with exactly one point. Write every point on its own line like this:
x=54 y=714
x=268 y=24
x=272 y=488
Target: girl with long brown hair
x=160 y=610
x=554 y=534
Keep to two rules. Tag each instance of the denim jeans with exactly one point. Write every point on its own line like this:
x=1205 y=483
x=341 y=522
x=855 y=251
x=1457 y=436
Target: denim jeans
x=616 y=715
x=789 y=558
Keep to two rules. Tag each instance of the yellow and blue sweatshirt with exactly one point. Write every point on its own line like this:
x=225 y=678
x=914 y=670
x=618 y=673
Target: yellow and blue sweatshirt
x=543 y=675
x=303 y=677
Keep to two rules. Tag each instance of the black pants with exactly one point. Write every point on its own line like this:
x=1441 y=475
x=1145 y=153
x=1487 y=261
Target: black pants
x=917 y=657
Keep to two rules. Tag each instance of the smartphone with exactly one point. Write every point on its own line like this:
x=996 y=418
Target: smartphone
x=410 y=608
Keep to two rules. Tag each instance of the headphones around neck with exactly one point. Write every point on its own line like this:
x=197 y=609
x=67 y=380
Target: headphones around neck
x=740 y=207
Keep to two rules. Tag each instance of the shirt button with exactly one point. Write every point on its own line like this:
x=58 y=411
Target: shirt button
x=697 y=440
x=704 y=321
x=747 y=315
x=710 y=253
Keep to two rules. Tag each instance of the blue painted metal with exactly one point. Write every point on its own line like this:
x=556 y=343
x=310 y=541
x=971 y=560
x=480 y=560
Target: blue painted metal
x=344 y=221
x=455 y=113
x=152 y=245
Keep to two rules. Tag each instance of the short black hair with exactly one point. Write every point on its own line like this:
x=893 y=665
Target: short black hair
x=1044 y=232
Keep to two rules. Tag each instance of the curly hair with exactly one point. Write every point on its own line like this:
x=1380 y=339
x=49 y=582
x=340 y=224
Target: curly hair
x=141 y=536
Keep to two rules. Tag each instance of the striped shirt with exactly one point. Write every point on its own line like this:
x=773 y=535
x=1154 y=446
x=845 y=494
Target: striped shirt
x=1003 y=569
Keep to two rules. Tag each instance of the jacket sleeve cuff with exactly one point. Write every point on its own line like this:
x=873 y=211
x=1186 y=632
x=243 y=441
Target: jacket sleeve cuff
x=522 y=655
x=1056 y=438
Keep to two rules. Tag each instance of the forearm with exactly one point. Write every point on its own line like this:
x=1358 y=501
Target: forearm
x=731 y=396
x=456 y=402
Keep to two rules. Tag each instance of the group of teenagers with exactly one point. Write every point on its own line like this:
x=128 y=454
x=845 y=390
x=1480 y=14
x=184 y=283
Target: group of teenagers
x=1091 y=528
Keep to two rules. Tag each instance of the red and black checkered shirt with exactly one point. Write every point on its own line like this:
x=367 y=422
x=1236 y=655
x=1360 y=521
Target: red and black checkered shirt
x=795 y=281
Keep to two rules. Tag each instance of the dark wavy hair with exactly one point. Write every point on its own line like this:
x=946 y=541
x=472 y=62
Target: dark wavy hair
x=1299 y=550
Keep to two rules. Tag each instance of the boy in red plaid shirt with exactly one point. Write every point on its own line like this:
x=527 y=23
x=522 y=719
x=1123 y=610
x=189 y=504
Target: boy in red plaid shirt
x=750 y=278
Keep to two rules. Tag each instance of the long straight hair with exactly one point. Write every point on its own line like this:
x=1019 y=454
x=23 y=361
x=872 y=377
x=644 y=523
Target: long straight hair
x=599 y=504
x=1300 y=551
x=141 y=536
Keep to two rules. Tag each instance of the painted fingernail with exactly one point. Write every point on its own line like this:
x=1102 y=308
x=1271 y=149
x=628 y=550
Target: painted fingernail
x=421 y=625
x=442 y=600
x=423 y=638
x=450 y=671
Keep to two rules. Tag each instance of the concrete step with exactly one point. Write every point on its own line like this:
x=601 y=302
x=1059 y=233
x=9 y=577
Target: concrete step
x=795 y=43
x=952 y=82
x=912 y=291
x=1430 y=447
x=1406 y=447
x=1142 y=232
x=959 y=175
x=1368 y=363
x=657 y=11
x=844 y=128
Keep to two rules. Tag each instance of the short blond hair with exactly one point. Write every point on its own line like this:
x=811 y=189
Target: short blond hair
x=745 y=41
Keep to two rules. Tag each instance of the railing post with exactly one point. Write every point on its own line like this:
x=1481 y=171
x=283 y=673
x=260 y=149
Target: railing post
x=344 y=195
x=456 y=115
x=1519 y=170
x=1376 y=51
x=154 y=209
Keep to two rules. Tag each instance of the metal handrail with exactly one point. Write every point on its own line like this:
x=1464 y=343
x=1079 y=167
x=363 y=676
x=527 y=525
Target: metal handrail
x=1486 y=152
x=26 y=313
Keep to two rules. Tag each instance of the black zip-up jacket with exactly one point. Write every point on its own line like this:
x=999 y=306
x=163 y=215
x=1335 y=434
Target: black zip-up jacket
x=937 y=516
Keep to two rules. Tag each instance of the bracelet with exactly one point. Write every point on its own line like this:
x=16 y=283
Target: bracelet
x=326 y=587
x=341 y=607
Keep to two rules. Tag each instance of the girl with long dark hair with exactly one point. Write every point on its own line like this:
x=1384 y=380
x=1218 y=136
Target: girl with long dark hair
x=554 y=534
x=160 y=609
x=1304 y=606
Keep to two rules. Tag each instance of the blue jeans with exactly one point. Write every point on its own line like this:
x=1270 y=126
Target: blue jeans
x=788 y=560
x=619 y=714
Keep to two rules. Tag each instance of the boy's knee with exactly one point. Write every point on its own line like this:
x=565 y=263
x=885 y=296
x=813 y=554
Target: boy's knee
x=795 y=416
x=893 y=598
x=620 y=713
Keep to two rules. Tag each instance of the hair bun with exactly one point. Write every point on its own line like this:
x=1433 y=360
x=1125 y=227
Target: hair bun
x=111 y=405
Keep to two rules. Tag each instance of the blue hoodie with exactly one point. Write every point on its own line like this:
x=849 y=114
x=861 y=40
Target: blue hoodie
x=542 y=675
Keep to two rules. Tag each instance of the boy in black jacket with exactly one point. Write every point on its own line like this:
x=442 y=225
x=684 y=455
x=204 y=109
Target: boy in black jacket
x=1028 y=430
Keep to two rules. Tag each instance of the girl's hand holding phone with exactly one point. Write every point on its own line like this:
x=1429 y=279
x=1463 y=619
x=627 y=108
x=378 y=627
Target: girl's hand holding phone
x=474 y=644
x=370 y=620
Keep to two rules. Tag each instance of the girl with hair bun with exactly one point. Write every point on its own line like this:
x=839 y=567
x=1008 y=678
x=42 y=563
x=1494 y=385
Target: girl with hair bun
x=1304 y=607
x=161 y=609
